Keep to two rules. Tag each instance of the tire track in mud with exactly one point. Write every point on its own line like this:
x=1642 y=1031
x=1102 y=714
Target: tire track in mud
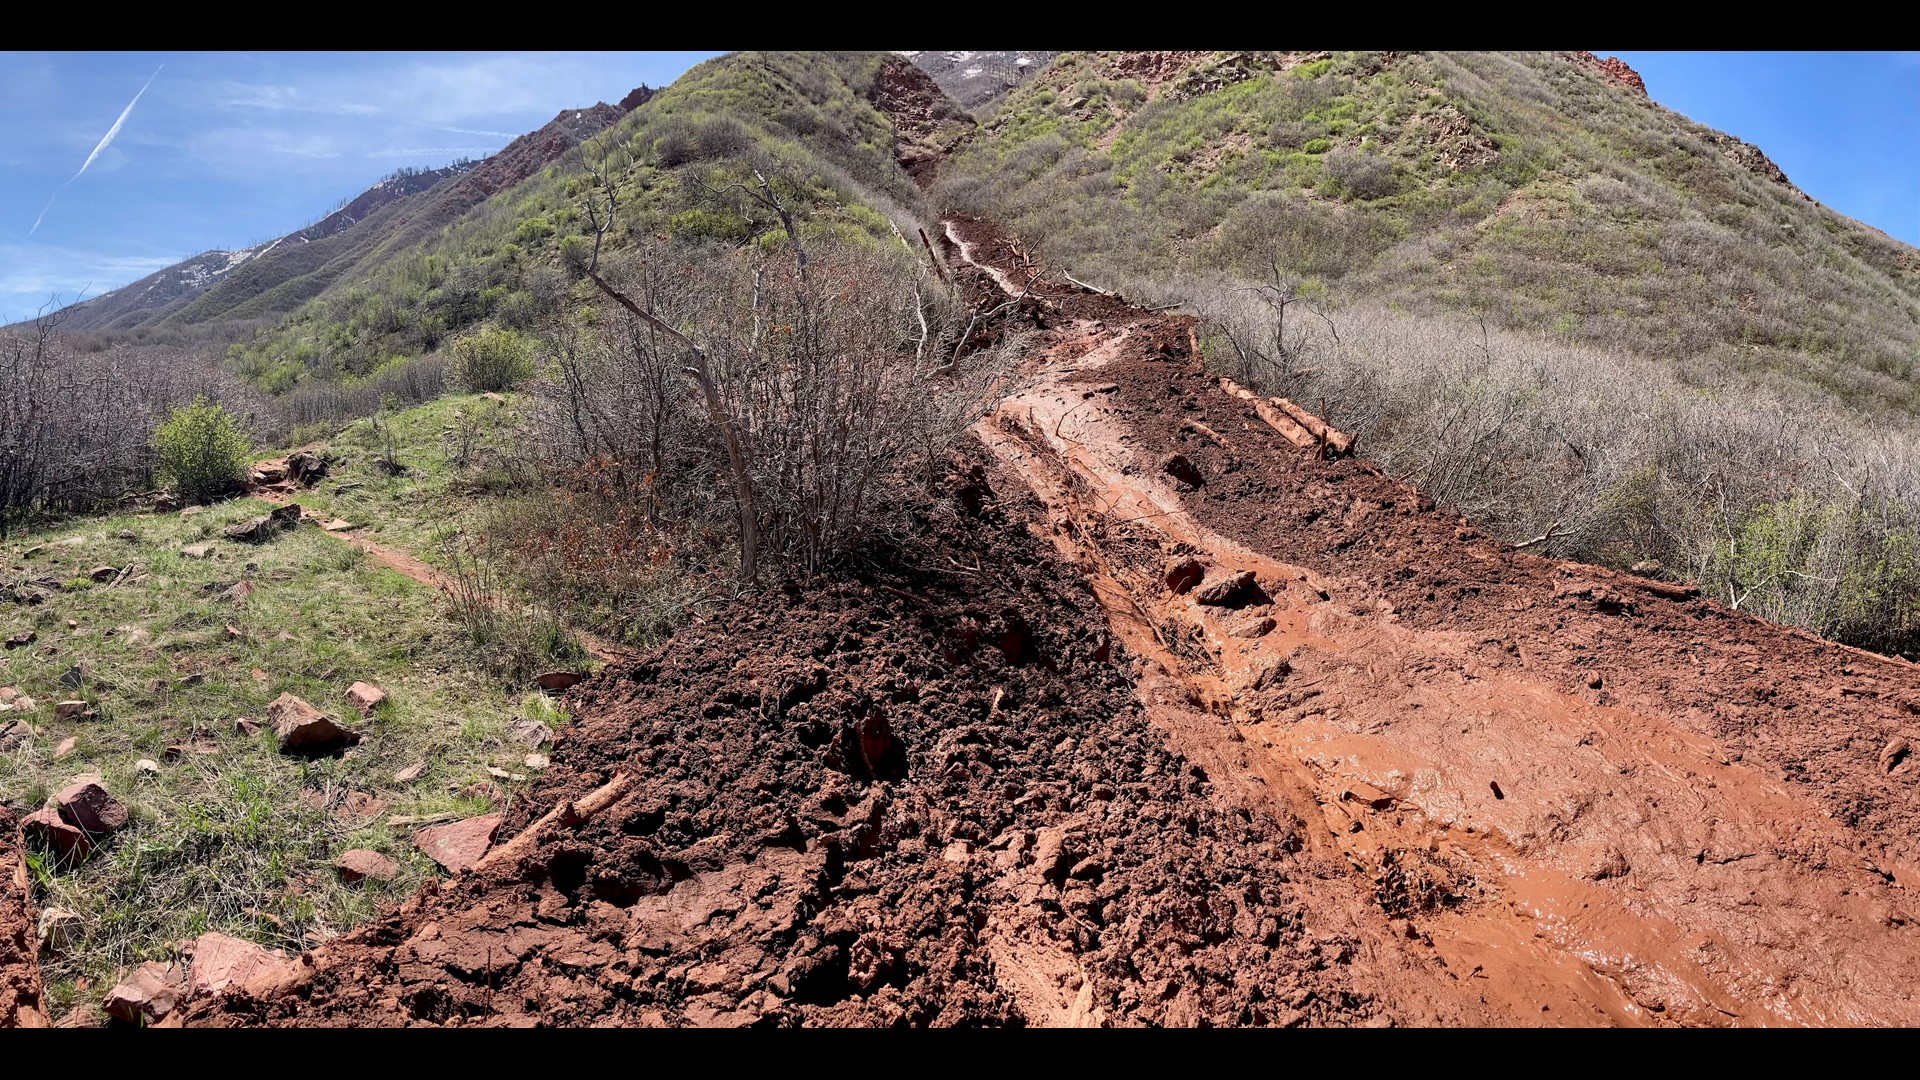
x=1568 y=857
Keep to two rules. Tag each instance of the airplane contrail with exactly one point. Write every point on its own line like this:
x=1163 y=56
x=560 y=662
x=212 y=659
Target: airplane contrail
x=104 y=141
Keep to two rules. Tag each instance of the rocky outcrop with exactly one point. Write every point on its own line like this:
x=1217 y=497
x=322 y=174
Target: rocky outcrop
x=1612 y=68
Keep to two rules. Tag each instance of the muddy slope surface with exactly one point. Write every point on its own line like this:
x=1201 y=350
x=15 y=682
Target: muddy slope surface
x=1168 y=717
x=20 y=989
x=928 y=797
x=1594 y=798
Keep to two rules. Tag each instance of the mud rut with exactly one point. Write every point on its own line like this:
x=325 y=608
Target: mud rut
x=1545 y=858
x=1450 y=783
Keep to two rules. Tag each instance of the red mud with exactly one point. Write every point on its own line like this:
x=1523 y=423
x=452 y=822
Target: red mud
x=20 y=989
x=1369 y=768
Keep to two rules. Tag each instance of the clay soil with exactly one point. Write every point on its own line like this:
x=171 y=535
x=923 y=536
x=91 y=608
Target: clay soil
x=1158 y=718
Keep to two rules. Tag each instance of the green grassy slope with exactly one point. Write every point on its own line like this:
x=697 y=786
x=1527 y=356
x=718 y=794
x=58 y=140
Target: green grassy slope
x=802 y=117
x=1529 y=187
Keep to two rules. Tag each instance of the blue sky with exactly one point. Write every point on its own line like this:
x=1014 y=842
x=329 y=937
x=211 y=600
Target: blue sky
x=225 y=150
x=1844 y=127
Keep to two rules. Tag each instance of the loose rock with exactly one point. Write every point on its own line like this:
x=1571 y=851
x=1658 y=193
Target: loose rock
x=197 y=551
x=69 y=710
x=67 y=843
x=87 y=806
x=302 y=729
x=1183 y=574
x=1227 y=591
x=365 y=697
x=460 y=844
x=220 y=961
x=103 y=573
x=360 y=863
x=147 y=995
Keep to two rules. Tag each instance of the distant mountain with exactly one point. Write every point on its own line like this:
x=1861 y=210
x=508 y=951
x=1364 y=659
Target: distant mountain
x=153 y=296
x=975 y=78
x=200 y=296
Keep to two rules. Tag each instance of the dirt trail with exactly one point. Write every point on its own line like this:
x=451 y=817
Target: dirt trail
x=1572 y=847
x=410 y=566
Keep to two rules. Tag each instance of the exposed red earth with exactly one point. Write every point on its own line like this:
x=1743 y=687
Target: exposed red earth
x=1175 y=711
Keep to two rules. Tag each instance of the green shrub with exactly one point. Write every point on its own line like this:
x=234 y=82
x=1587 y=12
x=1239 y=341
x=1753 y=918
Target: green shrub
x=491 y=358
x=1317 y=146
x=202 y=450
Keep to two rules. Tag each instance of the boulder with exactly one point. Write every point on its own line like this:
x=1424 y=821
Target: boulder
x=366 y=697
x=360 y=863
x=559 y=680
x=257 y=529
x=1184 y=573
x=220 y=961
x=147 y=995
x=460 y=844
x=87 y=806
x=303 y=729
x=67 y=843
x=308 y=467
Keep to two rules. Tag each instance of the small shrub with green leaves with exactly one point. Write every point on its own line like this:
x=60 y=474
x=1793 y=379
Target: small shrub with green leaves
x=202 y=450
x=490 y=359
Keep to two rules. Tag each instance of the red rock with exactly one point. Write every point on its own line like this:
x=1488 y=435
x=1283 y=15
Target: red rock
x=147 y=995
x=1224 y=592
x=410 y=773
x=85 y=804
x=65 y=748
x=246 y=727
x=559 y=680
x=457 y=846
x=68 y=843
x=69 y=710
x=220 y=961
x=303 y=729
x=361 y=863
x=1183 y=574
x=365 y=697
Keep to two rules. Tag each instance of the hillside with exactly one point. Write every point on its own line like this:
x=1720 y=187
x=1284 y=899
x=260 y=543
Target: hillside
x=1543 y=190
x=974 y=79
x=898 y=566
x=153 y=297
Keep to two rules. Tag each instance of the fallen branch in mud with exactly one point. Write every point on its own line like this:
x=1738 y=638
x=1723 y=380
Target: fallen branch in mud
x=1084 y=285
x=567 y=815
x=938 y=270
x=1543 y=538
x=1199 y=428
x=1275 y=419
x=1338 y=443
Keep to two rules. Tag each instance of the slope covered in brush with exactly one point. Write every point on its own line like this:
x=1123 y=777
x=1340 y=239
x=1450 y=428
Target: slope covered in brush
x=804 y=119
x=1545 y=190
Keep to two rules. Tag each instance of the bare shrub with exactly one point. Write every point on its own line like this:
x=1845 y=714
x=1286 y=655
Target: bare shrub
x=76 y=426
x=1795 y=509
x=513 y=639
